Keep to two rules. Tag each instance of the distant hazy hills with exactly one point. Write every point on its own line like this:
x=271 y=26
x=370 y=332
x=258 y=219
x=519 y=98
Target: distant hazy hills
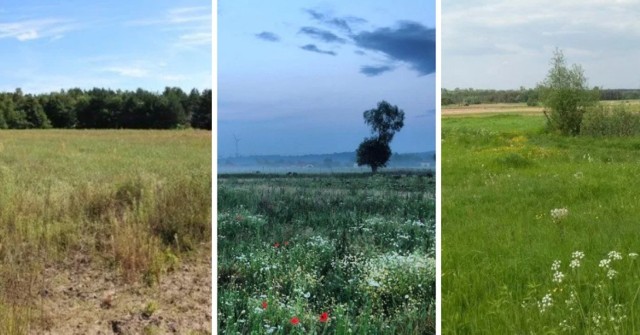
x=334 y=161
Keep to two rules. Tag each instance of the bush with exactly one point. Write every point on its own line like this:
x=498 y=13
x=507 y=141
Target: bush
x=566 y=96
x=611 y=121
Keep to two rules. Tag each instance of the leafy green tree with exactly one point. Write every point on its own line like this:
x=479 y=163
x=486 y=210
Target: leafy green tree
x=565 y=95
x=373 y=152
x=384 y=121
x=201 y=117
x=60 y=110
x=35 y=115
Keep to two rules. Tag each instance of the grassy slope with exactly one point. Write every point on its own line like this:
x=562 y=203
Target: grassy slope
x=501 y=177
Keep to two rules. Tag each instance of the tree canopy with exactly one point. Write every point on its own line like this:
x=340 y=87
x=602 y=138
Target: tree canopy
x=105 y=108
x=385 y=121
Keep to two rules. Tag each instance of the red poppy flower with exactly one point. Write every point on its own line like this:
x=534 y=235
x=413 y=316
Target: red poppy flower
x=295 y=321
x=276 y=244
x=264 y=304
x=324 y=317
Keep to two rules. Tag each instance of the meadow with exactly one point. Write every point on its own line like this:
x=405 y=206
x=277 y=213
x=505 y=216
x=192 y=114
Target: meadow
x=326 y=254
x=539 y=231
x=97 y=228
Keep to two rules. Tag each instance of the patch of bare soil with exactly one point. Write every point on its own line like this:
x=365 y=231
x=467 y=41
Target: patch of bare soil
x=88 y=298
x=491 y=108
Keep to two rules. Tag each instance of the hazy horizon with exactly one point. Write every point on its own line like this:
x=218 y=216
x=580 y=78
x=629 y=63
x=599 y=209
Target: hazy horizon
x=295 y=78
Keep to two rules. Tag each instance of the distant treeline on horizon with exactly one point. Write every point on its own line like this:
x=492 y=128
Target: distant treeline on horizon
x=101 y=108
x=470 y=96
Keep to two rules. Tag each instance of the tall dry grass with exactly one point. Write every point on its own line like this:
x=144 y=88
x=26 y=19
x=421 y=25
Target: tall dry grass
x=126 y=199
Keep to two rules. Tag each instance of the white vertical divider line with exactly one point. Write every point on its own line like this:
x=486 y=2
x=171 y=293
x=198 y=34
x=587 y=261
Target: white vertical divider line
x=214 y=165
x=438 y=167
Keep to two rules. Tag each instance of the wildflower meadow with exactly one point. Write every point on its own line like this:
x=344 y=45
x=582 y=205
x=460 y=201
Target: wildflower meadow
x=326 y=254
x=539 y=231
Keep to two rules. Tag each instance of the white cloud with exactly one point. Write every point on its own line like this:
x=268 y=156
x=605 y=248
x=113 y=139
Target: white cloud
x=505 y=44
x=33 y=29
x=196 y=38
x=189 y=15
x=194 y=24
x=135 y=72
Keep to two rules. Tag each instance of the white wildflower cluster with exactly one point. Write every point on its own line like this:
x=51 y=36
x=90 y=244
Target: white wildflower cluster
x=269 y=329
x=227 y=220
x=557 y=275
x=633 y=255
x=375 y=221
x=559 y=214
x=572 y=300
x=566 y=326
x=268 y=267
x=605 y=264
x=416 y=223
x=545 y=303
x=614 y=255
x=393 y=272
x=318 y=241
x=576 y=257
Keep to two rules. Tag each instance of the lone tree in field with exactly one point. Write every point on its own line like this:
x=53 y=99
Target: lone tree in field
x=565 y=95
x=385 y=121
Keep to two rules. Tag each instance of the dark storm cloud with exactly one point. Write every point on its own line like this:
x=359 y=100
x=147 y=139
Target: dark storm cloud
x=323 y=35
x=338 y=22
x=372 y=71
x=267 y=36
x=409 y=42
x=314 y=48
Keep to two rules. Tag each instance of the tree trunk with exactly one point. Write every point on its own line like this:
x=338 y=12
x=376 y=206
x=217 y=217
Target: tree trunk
x=374 y=169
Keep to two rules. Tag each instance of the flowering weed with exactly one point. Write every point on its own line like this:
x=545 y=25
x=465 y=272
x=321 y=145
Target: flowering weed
x=297 y=257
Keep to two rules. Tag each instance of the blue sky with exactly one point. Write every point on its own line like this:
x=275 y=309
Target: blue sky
x=52 y=45
x=295 y=77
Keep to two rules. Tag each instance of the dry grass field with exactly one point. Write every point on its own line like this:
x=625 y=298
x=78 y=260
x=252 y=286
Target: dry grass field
x=105 y=232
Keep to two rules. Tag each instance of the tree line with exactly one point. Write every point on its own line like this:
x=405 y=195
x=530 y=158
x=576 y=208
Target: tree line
x=530 y=96
x=101 y=108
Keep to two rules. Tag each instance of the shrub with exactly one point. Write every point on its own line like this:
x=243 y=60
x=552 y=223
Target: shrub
x=566 y=95
x=611 y=121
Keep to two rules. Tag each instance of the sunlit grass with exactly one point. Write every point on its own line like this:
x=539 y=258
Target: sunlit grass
x=502 y=179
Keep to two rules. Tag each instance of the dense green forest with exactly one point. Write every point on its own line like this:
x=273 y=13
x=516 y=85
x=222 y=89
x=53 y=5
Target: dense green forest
x=105 y=108
x=529 y=96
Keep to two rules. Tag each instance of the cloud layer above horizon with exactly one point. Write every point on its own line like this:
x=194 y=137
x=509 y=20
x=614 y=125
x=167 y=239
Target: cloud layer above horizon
x=508 y=44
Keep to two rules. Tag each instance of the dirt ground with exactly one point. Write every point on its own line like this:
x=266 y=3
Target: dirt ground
x=490 y=108
x=84 y=298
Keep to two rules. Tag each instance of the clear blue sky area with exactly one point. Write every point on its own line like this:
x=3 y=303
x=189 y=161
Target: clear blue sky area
x=295 y=77
x=52 y=45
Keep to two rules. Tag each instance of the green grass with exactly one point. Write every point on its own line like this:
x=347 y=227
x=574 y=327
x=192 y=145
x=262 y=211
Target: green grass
x=129 y=199
x=357 y=247
x=501 y=177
